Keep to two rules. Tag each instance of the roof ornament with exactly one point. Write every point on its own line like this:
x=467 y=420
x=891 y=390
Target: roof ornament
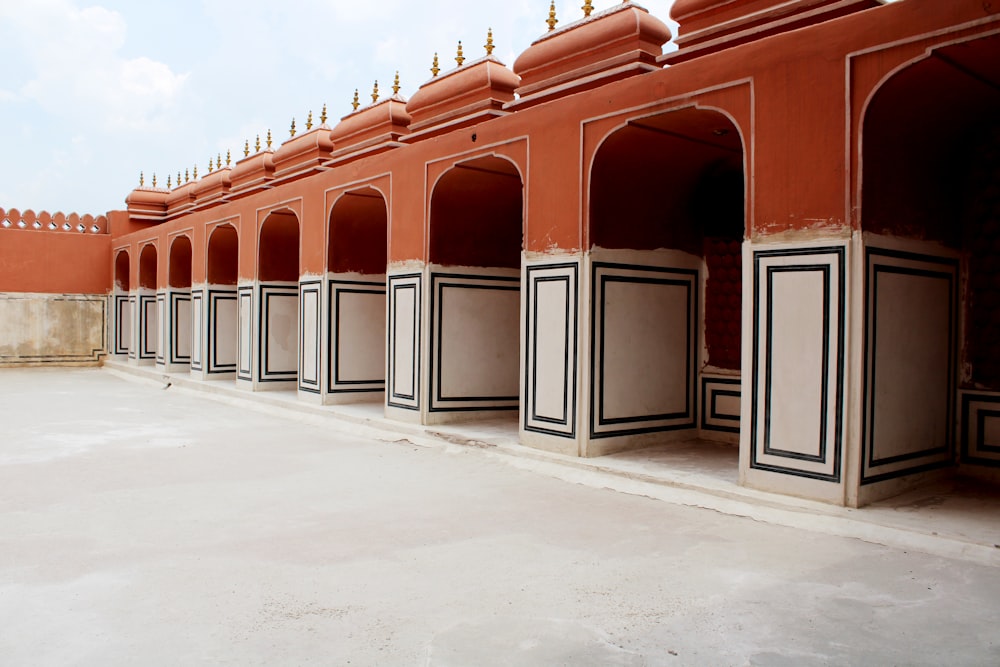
x=194 y=174
x=229 y=157
x=187 y=175
x=323 y=116
x=588 y=7
x=292 y=128
x=178 y=178
x=309 y=121
x=246 y=147
x=356 y=102
x=375 y=93
x=460 y=57
x=268 y=138
x=154 y=179
x=552 y=20
x=210 y=164
x=257 y=145
x=395 y=84
x=489 y=42
x=142 y=179
x=218 y=160
x=434 y=67
x=169 y=186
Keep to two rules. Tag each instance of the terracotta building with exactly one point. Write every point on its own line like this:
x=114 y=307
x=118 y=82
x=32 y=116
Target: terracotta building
x=783 y=234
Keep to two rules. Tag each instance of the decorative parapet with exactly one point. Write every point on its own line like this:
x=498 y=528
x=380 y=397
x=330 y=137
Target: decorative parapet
x=46 y=222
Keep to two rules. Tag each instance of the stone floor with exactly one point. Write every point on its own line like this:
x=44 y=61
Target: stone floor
x=147 y=525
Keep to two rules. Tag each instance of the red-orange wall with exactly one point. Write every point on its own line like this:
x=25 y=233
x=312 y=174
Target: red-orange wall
x=54 y=262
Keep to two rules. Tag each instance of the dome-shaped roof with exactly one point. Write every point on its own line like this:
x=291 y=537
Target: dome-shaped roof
x=302 y=153
x=379 y=124
x=613 y=44
x=468 y=94
x=146 y=202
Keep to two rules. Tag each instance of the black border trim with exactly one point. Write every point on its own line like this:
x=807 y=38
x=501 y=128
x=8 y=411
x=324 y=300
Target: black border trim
x=175 y=333
x=335 y=384
x=310 y=287
x=415 y=282
x=214 y=297
x=144 y=352
x=263 y=360
x=197 y=317
x=967 y=454
x=247 y=292
x=710 y=412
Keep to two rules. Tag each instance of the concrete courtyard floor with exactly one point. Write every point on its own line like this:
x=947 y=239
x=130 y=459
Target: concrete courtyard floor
x=143 y=525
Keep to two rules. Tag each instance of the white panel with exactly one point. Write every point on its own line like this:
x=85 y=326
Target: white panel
x=310 y=335
x=197 y=329
x=281 y=346
x=479 y=341
x=225 y=337
x=360 y=336
x=645 y=349
x=124 y=325
x=150 y=330
x=913 y=363
x=404 y=337
x=163 y=322
x=728 y=405
x=797 y=338
x=246 y=335
x=551 y=342
x=182 y=329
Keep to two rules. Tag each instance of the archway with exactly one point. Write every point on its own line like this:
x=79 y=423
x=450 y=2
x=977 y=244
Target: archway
x=666 y=225
x=121 y=305
x=476 y=221
x=221 y=323
x=356 y=265
x=147 y=332
x=930 y=213
x=176 y=328
x=277 y=303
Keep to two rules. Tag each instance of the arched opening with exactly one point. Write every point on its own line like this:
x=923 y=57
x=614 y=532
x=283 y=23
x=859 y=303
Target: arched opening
x=930 y=213
x=356 y=264
x=147 y=333
x=121 y=304
x=176 y=333
x=278 y=301
x=221 y=318
x=476 y=222
x=667 y=221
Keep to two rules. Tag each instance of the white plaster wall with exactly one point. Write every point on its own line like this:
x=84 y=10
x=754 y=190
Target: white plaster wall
x=404 y=336
x=280 y=335
x=226 y=330
x=479 y=341
x=551 y=348
x=198 y=333
x=248 y=330
x=60 y=329
x=162 y=323
x=310 y=356
x=183 y=326
x=358 y=337
x=124 y=325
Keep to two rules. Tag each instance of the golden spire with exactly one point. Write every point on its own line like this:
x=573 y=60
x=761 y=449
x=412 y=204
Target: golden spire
x=552 y=21
x=210 y=163
x=218 y=160
x=142 y=179
x=309 y=121
x=434 y=67
x=178 y=178
x=459 y=58
x=268 y=138
x=229 y=157
x=292 y=128
x=257 y=144
x=375 y=93
x=395 y=84
x=246 y=147
x=154 y=179
x=194 y=174
x=187 y=175
x=323 y=116
x=489 y=42
x=355 y=102
x=168 y=182
x=588 y=7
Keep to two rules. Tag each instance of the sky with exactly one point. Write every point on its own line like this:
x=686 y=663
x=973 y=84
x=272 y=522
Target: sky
x=93 y=92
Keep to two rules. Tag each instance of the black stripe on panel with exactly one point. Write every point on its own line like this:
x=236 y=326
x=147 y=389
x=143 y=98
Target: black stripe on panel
x=394 y=289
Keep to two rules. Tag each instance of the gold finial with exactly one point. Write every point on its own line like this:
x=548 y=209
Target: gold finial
x=187 y=175
x=323 y=116
x=395 y=84
x=459 y=58
x=292 y=129
x=268 y=138
x=309 y=120
x=218 y=160
x=489 y=42
x=246 y=147
x=355 y=102
x=194 y=174
x=142 y=179
x=229 y=157
x=434 y=67
x=552 y=21
x=257 y=144
x=588 y=7
x=154 y=179
x=168 y=182
x=375 y=93
x=210 y=163
x=178 y=178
